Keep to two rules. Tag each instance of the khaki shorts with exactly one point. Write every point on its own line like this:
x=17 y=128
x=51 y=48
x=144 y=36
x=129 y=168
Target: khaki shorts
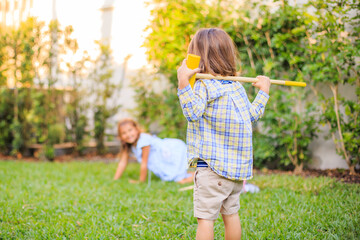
x=214 y=194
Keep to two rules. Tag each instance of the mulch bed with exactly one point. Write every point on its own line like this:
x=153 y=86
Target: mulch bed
x=109 y=157
x=342 y=175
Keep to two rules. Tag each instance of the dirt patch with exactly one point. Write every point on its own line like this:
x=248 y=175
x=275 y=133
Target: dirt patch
x=342 y=175
x=91 y=157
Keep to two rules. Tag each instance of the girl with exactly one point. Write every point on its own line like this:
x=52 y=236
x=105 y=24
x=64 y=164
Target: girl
x=166 y=158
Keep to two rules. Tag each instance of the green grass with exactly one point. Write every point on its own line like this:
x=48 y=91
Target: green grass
x=79 y=200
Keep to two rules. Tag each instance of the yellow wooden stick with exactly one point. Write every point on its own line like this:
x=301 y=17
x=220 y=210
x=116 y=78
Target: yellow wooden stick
x=250 y=80
x=193 y=61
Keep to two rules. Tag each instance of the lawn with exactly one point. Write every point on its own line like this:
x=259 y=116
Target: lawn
x=79 y=200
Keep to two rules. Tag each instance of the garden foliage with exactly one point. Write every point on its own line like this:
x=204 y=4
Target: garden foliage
x=317 y=43
x=105 y=90
x=33 y=109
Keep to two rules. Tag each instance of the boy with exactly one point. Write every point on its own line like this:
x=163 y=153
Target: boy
x=219 y=133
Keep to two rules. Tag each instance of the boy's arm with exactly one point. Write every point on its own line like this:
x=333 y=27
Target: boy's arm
x=257 y=107
x=193 y=102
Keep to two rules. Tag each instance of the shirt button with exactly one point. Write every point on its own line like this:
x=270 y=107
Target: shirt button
x=219 y=183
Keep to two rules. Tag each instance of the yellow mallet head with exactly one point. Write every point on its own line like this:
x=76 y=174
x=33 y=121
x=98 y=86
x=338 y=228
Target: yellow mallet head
x=192 y=62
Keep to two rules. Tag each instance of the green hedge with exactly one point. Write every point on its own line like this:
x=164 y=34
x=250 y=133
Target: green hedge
x=301 y=43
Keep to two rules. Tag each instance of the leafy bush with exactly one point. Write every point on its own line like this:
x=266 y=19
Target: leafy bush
x=105 y=91
x=332 y=54
x=49 y=152
x=17 y=142
x=265 y=152
x=292 y=130
x=160 y=106
x=34 y=51
x=56 y=133
x=274 y=44
x=172 y=26
x=6 y=117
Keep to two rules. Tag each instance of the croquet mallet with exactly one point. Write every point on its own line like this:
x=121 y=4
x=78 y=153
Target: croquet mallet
x=193 y=62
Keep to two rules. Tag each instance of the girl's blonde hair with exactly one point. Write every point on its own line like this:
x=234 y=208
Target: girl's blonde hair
x=217 y=51
x=125 y=147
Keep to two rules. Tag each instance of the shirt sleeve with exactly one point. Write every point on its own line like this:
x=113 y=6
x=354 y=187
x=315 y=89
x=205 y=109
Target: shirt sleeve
x=257 y=107
x=144 y=140
x=193 y=103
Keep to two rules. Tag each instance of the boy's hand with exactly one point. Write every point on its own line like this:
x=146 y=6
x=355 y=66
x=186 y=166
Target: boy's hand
x=184 y=74
x=263 y=84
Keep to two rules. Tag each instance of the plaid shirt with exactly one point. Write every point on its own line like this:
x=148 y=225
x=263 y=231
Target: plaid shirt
x=219 y=130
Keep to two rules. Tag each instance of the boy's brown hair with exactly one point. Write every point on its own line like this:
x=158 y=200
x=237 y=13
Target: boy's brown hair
x=217 y=51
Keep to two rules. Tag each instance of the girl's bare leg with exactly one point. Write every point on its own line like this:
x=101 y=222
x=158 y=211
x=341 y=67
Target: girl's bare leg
x=189 y=179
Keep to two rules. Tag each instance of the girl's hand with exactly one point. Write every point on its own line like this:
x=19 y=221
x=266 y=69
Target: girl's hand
x=263 y=83
x=184 y=74
x=134 y=181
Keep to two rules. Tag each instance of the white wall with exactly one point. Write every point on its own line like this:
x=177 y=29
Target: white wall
x=324 y=155
x=323 y=148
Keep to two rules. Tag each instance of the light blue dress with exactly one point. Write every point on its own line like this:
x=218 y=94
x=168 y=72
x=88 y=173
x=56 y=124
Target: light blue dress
x=167 y=158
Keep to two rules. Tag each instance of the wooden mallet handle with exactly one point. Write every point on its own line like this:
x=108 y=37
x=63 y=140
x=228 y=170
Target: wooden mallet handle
x=193 y=62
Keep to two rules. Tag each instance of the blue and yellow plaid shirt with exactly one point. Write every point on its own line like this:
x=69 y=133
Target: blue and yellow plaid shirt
x=219 y=130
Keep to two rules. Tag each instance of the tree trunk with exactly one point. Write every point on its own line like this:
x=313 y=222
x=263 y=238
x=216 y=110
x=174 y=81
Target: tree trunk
x=248 y=51
x=323 y=108
x=299 y=168
x=267 y=35
x=334 y=89
x=352 y=170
